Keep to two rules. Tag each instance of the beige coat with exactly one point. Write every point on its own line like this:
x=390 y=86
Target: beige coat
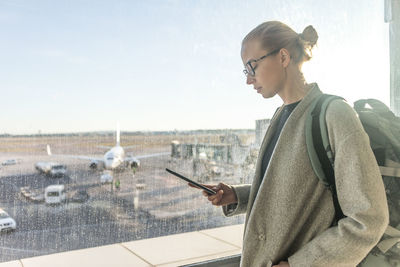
x=289 y=211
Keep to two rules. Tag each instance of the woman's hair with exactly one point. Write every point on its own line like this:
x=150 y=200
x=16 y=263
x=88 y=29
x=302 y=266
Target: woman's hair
x=275 y=35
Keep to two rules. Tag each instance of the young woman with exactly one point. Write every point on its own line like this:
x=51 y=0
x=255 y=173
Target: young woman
x=289 y=212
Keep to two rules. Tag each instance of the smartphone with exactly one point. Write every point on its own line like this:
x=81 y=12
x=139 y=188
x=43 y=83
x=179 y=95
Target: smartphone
x=208 y=190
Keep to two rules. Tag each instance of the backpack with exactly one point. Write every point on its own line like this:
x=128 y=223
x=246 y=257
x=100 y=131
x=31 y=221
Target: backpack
x=383 y=129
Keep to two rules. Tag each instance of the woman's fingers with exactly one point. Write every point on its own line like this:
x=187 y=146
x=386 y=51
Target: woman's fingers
x=216 y=199
x=213 y=187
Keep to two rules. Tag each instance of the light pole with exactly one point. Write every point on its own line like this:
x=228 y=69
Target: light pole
x=138 y=187
x=136 y=192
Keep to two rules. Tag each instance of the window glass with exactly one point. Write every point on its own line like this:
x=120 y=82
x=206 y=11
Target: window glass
x=163 y=80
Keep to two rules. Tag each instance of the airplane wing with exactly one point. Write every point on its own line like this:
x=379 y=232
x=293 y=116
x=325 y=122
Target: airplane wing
x=151 y=155
x=81 y=157
x=74 y=156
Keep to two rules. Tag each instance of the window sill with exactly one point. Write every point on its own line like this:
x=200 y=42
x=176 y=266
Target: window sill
x=174 y=250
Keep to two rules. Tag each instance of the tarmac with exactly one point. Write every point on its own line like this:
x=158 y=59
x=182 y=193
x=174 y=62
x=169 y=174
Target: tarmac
x=149 y=203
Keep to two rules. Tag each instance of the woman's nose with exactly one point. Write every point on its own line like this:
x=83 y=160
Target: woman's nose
x=249 y=79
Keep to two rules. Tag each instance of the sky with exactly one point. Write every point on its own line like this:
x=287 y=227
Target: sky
x=80 y=65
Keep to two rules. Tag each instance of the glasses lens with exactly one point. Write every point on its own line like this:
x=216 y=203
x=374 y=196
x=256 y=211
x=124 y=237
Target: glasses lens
x=249 y=69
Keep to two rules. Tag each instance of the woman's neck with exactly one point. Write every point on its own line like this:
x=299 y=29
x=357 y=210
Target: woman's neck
x=294 y=89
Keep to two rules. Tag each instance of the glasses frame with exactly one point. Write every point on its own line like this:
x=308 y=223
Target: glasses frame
x=250 y=69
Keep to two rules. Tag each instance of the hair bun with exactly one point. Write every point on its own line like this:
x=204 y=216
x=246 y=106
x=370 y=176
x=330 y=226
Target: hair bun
x=309 y=35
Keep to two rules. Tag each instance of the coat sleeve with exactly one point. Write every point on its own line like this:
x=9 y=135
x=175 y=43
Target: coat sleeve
x=242 y=194
x=360 y=192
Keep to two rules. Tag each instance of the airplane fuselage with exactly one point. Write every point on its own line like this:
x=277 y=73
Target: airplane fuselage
x=114 y=158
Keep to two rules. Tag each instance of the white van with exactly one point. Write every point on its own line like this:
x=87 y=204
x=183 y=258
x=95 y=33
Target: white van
x=106 y=177
x=6 y=222
x=54 y=194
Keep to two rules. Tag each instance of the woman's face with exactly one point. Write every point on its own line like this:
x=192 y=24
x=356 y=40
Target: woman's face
x=269 y=72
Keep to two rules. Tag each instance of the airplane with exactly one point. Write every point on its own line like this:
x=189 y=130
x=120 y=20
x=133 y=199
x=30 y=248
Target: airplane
x=114 y=158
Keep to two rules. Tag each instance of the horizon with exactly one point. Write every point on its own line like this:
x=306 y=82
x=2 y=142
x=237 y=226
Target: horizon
x=112 y=132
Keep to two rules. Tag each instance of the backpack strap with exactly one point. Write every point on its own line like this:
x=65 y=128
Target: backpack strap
x=319 y=150
x=394 y=238
x=389 y=171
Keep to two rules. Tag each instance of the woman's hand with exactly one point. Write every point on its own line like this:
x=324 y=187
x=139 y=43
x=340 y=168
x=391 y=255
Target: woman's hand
x=282 y=264
x=225 y=194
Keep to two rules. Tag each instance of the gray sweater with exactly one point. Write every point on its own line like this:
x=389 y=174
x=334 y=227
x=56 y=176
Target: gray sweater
x=289 y=211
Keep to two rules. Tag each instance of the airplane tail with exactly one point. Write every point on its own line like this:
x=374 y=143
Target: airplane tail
x=48 y=150
x=118 y=135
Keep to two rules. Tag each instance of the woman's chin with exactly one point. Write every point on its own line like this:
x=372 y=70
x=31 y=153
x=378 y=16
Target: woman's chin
x=267 y=94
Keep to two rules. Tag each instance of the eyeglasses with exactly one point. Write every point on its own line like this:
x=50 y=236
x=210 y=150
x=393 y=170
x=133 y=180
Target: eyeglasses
x=250 y=69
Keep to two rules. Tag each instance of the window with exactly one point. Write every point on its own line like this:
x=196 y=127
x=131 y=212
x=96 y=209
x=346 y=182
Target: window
x=169 y=74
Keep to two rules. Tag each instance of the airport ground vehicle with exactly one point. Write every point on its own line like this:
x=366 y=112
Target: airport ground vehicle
x=106 y=177
x=9 y=162
x=80 y=196
x=52 y=169
x=6 y=222
x=54 y=194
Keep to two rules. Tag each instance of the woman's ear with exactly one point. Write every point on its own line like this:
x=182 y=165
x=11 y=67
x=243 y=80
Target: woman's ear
x=284 y=57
